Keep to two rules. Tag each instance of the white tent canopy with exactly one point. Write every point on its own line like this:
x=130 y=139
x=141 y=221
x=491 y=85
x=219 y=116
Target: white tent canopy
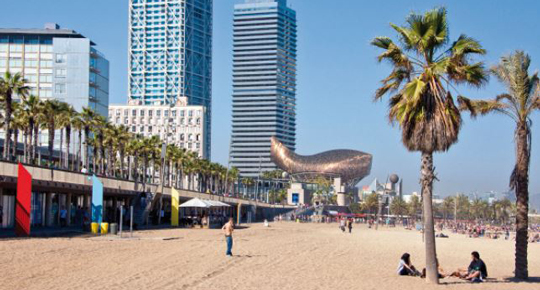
x=195 y=202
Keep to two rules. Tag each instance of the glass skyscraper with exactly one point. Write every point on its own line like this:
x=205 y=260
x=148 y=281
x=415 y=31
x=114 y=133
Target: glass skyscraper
x=264 y=83
x=170 y=53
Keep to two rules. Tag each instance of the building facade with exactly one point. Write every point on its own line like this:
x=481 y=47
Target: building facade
x=59 y=64
x=264 y=83
x=170 y=53
x=182 y=124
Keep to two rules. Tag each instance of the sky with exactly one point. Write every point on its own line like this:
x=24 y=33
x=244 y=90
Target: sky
x=337 y=76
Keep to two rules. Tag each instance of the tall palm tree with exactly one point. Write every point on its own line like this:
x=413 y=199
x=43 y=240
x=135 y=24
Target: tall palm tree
x=448 y=206
x=51 y=110
x=11 y=85
x=424 y=69
x=519 y=103
x=18 y=124
x=32 y=110
x=63 y=122
x=88 y=119
x=77 y=123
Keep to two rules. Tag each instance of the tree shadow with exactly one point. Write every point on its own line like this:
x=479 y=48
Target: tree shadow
x=509 y=280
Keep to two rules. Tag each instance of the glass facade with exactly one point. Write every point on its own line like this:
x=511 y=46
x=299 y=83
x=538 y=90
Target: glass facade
x=264 y=83
x=170 y=53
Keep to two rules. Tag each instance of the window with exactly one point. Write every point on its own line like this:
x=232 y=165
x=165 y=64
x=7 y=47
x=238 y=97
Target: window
x=118 y=112
x=15 y=63
x=15 y=48
x=166 y=113
x=182 y=137
x=134 y=113
x=45 y=63
x=182 y=113
x=150 y=129
x=190 y=113
x=45 y=78
x=3 y=62
x=198 y=121
x=150 y=113
x=190 y=137
x=60 y=58
x=31 y=78
x=46 y=48
x=198 y=137
x=182 y=121
x=198 y=145
x=173 y=113
x=45 y=93
x=142 y=129
x=30 y=63
x=190 y=121
x=60 y=88
x=31 y=48
x=133 y=129
x=60 y=72
x=142 y=113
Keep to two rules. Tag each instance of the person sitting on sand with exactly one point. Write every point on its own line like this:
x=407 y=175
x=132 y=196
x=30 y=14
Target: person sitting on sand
x=405 y=267
x=476 y=272
x=439 y=269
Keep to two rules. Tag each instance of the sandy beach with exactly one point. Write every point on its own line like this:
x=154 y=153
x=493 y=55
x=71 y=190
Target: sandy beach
x=284 y=256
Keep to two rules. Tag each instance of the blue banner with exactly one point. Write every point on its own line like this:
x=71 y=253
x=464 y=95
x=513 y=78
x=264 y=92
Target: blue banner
x=97 y=200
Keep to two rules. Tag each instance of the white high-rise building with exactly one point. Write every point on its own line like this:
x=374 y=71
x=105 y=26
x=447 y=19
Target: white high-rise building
x=264 y=79
x=170 y=53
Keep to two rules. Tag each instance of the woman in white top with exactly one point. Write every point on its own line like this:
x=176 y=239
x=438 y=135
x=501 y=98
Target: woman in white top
x=405 y=267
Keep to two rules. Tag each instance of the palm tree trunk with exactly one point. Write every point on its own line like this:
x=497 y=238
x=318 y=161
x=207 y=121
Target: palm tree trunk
x=86 y=149
x=35 y=147
x=520 y=183
x=427 y=177
x=79 y=151
x=15 y=141
x=68 y=143
x=7 y=124
x=60 y=152
x=51 y=143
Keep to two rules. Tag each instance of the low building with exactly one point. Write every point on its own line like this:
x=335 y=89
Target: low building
x=180 y=124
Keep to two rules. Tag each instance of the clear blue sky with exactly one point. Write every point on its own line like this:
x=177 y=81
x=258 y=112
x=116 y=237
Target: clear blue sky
x=337 y=76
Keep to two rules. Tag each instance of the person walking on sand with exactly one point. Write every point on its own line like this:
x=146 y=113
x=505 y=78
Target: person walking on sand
x=228 y=229
x=349 y=225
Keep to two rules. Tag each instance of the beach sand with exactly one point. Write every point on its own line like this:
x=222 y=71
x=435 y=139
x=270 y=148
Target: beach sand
x=284 y=256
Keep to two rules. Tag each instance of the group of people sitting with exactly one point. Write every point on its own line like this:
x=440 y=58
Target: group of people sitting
x=476 y=272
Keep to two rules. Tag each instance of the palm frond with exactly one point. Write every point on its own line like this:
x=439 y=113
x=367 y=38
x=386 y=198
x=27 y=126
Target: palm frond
x=483 y=107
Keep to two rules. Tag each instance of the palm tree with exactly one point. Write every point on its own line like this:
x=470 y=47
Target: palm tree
x=18 y=124
x=462 y=206
x=398 y=206
x=87 y=116
x=424 y=69
x=371 y=203
x=51 y=109
x=414 y=206
x=448 y=206
x=65 y=117
x=32 y=110
x=519 y=103
x=78 y=124
x=11 y=85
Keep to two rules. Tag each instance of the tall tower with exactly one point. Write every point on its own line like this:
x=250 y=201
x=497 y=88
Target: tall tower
x=264 y=83
x=170 y=53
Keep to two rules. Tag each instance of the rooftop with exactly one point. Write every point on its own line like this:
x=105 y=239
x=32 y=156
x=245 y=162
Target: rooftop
x=52 y=29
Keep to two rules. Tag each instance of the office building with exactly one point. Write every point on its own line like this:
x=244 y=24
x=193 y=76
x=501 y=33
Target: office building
x=264 y=83
x=57 y=63
x=170 y=54
x=182 y=124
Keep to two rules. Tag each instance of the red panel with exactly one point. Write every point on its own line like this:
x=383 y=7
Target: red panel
x=24 y=202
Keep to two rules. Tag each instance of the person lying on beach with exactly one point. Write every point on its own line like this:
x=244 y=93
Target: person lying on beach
x=405 y=267
x=476 y=272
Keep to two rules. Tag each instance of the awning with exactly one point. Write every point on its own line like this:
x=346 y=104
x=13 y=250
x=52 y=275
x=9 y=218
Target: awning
x=203 y=203
x=195 y=203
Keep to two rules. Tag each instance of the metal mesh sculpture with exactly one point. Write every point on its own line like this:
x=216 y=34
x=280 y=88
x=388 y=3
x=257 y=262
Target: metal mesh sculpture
x=350 y=165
